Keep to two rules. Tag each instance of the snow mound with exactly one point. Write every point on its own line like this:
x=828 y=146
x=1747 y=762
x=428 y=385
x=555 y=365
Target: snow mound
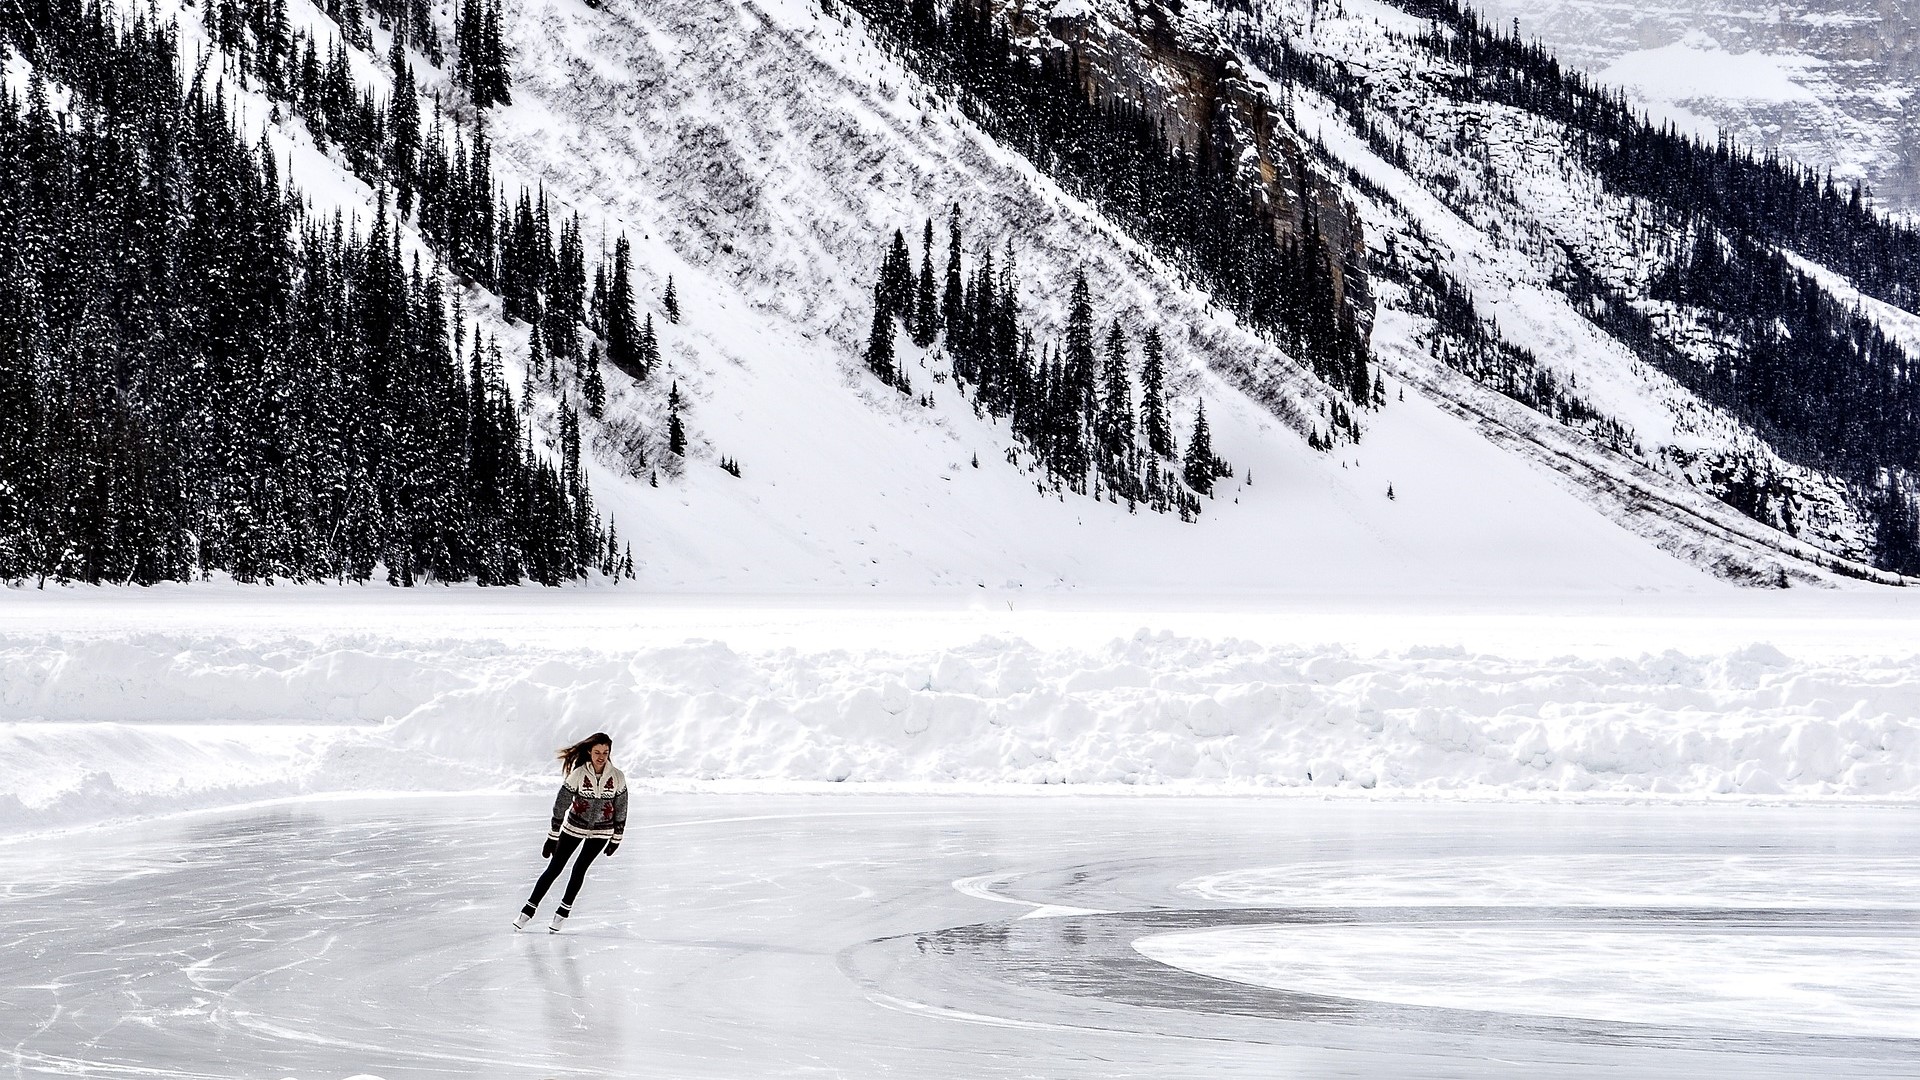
x=102 y=728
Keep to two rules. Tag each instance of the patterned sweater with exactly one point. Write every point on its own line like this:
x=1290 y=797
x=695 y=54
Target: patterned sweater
x=591 y=804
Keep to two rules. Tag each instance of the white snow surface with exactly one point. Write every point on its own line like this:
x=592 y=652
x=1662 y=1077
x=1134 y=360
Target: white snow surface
x=120 y=709
x=760 y=151
x=1532 y=206
x=1697 y=67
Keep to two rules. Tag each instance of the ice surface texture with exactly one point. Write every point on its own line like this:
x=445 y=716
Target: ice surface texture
x=928 y=937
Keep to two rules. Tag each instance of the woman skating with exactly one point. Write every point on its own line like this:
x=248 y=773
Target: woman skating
x=589 y=816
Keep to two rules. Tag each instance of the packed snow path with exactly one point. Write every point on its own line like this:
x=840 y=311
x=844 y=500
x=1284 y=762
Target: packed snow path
x=860 y=936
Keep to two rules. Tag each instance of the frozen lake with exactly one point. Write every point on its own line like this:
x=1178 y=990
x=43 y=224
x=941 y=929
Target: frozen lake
x=910 y=936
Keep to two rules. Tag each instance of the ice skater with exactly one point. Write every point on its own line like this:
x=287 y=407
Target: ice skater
x=589 y=816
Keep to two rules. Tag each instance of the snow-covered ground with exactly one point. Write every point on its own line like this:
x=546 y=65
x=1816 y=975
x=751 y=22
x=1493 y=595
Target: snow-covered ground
x=1485 y=635
x=761 y=152
x=1492 y=197
x=114 y=705
x=743 y=937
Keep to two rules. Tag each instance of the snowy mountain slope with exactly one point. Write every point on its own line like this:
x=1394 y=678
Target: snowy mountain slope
x=761 y=152
x=1831 y=82
x=1489 y=197
x=763 y=149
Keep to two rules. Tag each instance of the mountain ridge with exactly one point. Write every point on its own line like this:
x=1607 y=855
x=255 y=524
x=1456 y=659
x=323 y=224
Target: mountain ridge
x=759 y=153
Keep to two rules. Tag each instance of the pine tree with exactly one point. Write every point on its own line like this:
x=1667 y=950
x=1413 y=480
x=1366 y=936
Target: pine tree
x=670 y=302
x=623 y=338
x=951 y=297
x=649 y=345
x=1153 y=405
x=482 y=67
x=403 y=126
x=536 y=368
x=1080 y=359
x=1198 y=468
x=591 y=387
x=1114 y=421
x=926 y=312
x=880 y=338
x=896 y=280
x=676 y=432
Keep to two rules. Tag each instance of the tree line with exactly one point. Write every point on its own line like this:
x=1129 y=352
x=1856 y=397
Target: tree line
x=1189 y=204
x=1733 y=187
x=1816 y=377
x=1813 y=376
x=442 y=177
x=1073 y=406
x=196 y=376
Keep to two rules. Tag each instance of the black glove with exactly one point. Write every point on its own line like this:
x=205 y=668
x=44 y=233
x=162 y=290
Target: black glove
x=613 y=846
x=546 y=849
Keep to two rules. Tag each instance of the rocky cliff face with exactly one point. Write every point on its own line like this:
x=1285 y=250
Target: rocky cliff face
x=1833 y=83
x=1176 y=63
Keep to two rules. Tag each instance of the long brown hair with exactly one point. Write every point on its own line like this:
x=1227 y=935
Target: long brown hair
x=572 y=757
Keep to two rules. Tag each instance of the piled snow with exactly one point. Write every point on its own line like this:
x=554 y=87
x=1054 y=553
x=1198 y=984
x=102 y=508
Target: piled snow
x=97 y=727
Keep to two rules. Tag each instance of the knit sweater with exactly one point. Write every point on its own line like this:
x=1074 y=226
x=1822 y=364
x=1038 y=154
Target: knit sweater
x=590 y=804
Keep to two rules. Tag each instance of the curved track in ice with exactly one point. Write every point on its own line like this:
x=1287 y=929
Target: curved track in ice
x=1621 y=971
x=940 y=936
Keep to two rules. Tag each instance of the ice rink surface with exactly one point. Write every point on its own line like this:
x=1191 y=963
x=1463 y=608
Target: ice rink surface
x=931 y=936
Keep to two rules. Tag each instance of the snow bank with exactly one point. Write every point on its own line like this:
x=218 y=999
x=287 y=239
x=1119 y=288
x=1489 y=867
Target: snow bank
x=96 y=728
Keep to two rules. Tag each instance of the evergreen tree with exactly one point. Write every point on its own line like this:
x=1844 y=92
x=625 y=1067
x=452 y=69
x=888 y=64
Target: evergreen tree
x=624 y=345
x=1114 y=423
x=951 y=297
x=566 y=296
x=676 y=432
x=926 y=313
x=649 y=345
x=670 y=302
x=403 y=125
x=1153 y=404
x=1199 y=467
x=896 y=280
x=592 y=389
x=880 y=338
x=482 y=61
x=1080 y=359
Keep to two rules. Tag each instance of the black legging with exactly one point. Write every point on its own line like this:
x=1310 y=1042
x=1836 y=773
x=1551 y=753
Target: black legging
x=562 y=851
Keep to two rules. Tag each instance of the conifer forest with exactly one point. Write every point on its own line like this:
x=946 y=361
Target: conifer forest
x=197 y=376
x=206 y=372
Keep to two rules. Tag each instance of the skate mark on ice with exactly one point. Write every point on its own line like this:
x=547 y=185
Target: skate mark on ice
x=1085 y=971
